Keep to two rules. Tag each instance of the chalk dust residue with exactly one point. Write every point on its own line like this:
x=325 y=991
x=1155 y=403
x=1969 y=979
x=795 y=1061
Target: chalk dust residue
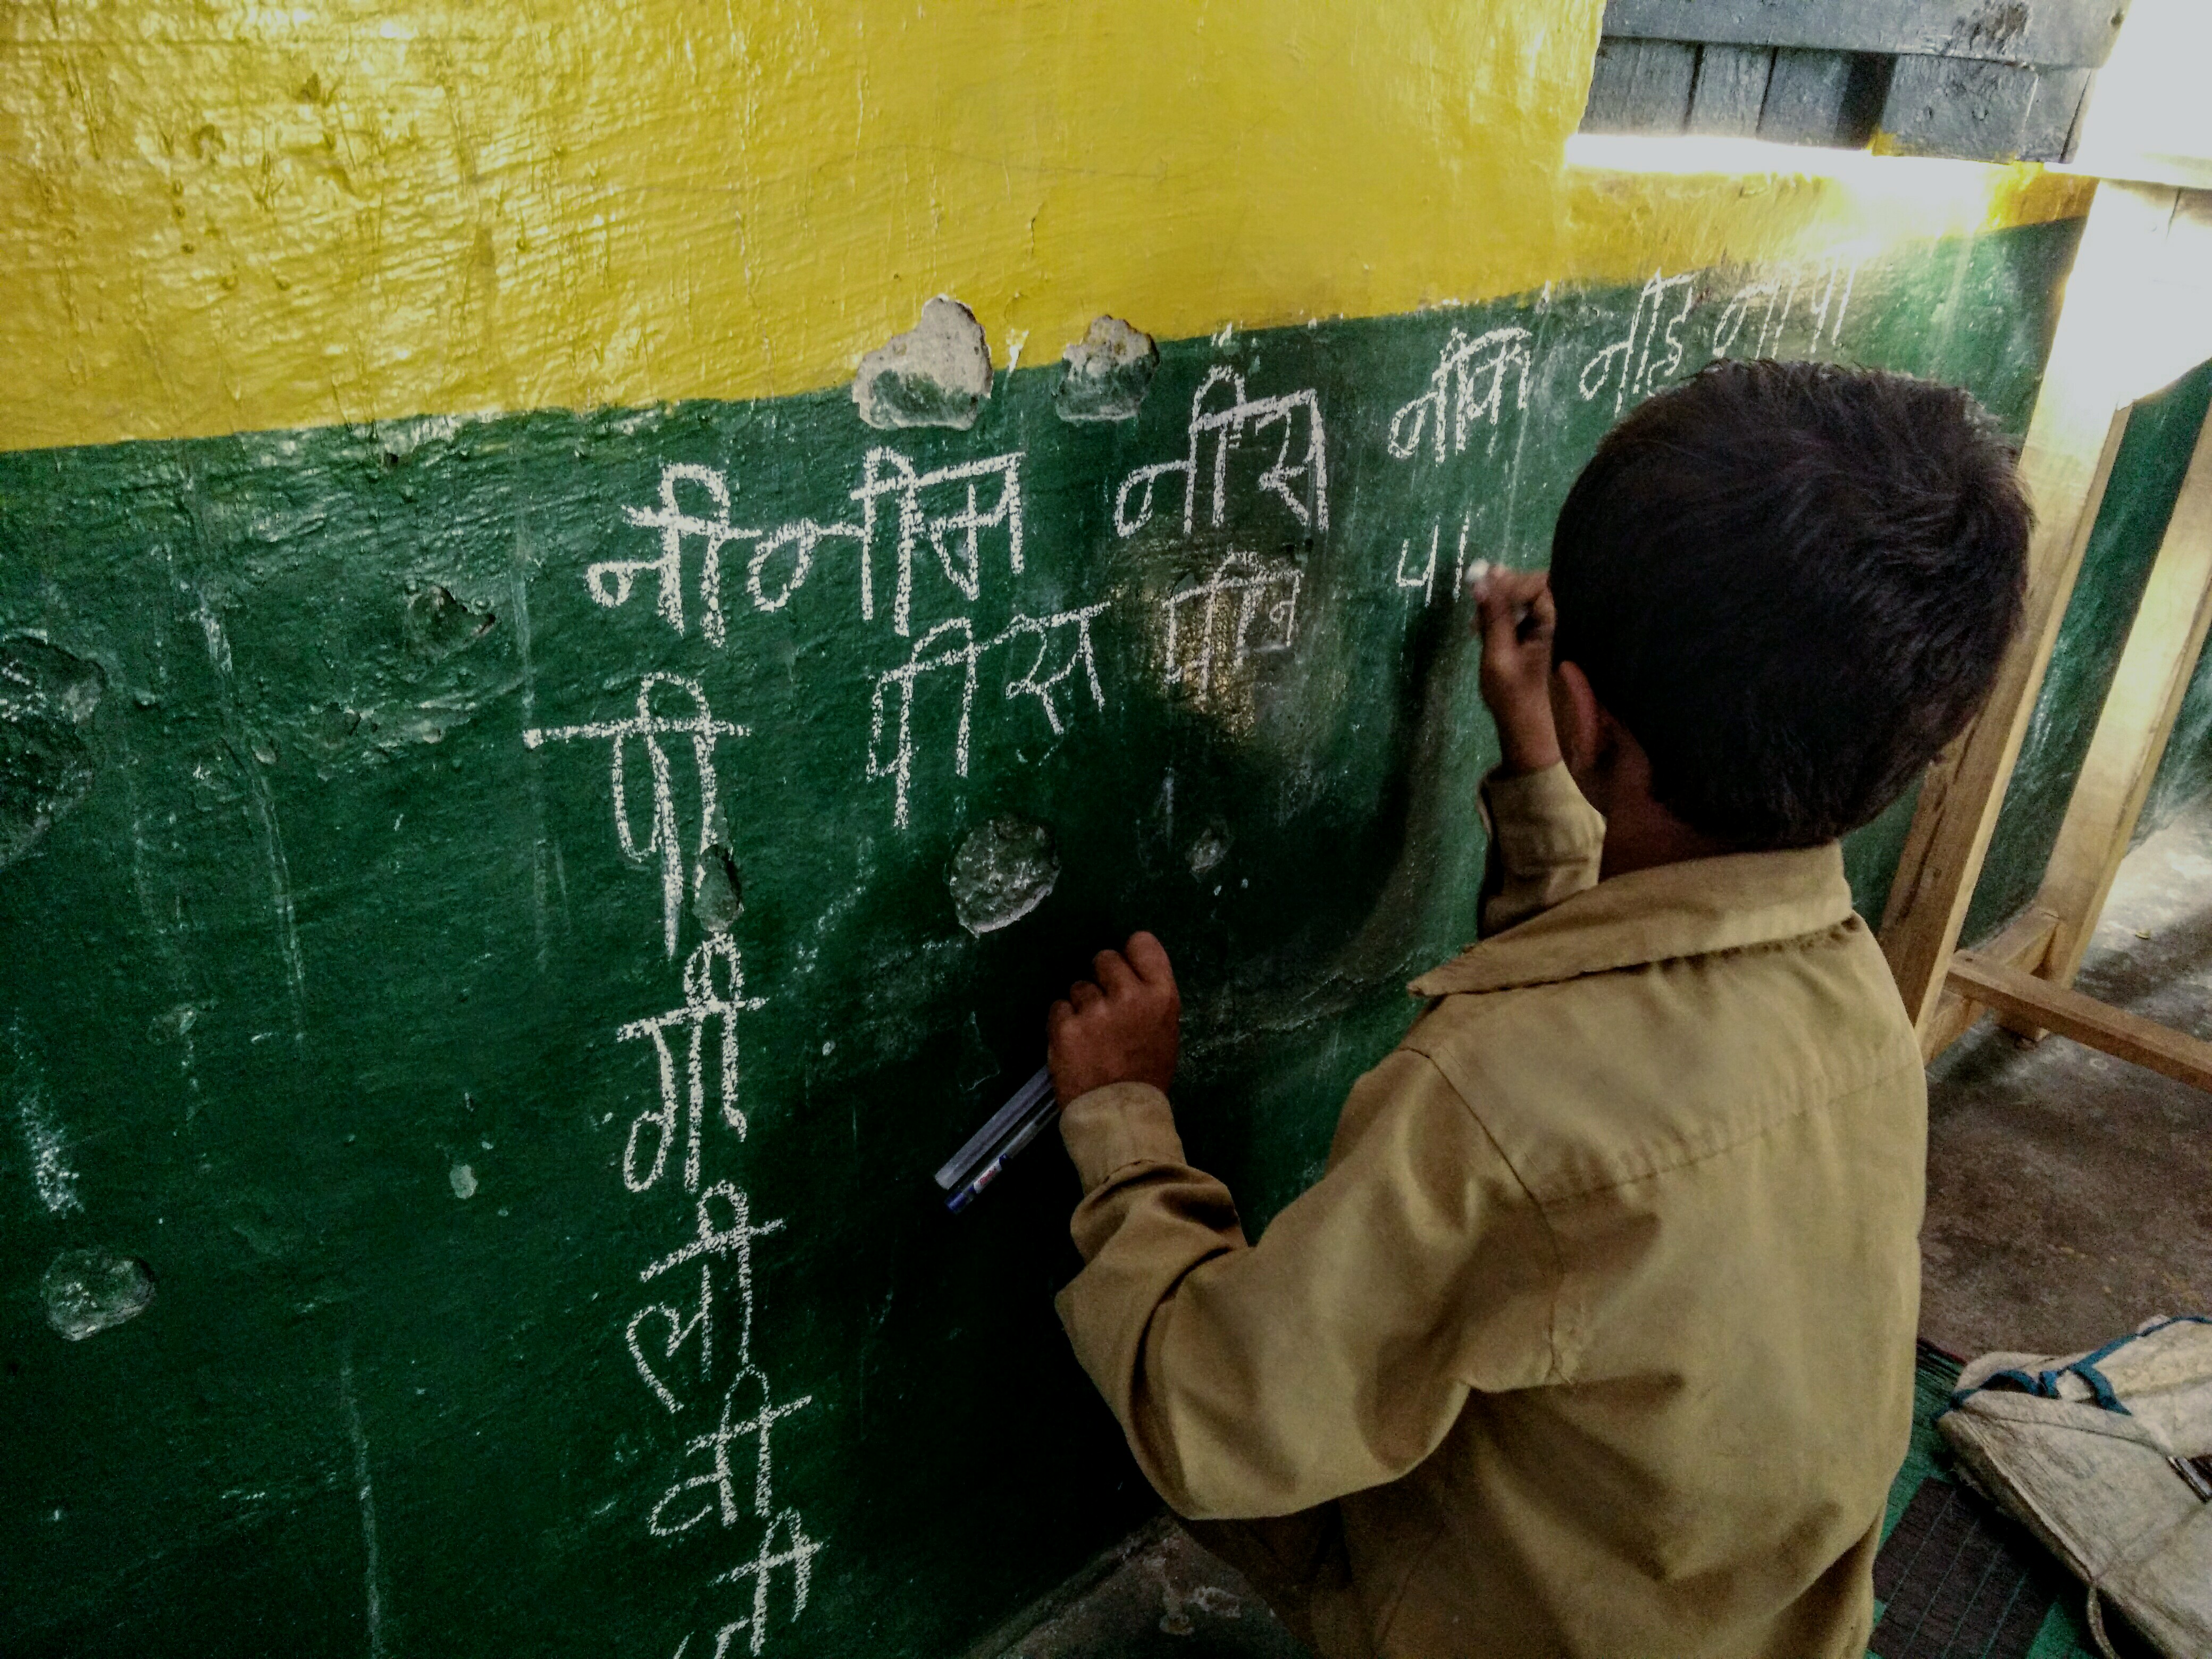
x=89 y=1292
x=937 y=373
x=1105 y=374
x=52 y=1173
x=1000 y=873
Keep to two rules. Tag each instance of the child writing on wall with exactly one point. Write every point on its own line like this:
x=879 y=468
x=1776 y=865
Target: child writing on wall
x=1595 y=1338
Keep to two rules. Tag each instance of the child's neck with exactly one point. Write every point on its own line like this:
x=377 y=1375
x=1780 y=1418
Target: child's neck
x=1640 y=834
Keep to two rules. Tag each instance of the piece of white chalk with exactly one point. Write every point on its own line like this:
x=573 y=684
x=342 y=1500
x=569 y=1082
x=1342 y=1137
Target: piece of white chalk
x=1477 y=573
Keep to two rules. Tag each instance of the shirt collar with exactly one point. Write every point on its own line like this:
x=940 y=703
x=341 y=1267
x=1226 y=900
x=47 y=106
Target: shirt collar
x=1686 y=909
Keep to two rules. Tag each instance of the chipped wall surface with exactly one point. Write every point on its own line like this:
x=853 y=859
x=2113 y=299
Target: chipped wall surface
x=225 y=216
x=521 y=907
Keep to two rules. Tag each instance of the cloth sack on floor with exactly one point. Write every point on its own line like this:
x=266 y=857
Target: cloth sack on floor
x=2081 y=1448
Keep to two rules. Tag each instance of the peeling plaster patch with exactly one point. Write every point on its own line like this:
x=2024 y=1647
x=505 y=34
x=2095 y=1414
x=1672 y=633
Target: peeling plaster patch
x=1107 y=373
x=938 y=373
x=46 y=698
x=437 y=622
x=1000 y=873
x=718 y=889
x=50 y=1172
x=463 y=1180
x=89 y=1292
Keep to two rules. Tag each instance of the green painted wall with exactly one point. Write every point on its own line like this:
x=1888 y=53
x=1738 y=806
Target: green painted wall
x=2145 y=483
x=323 y=982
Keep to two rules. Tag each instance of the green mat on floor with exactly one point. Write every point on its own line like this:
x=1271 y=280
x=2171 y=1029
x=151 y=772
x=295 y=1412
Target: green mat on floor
x=1955 y=1579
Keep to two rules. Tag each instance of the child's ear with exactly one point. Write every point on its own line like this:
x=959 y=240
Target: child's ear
x=1579 y=719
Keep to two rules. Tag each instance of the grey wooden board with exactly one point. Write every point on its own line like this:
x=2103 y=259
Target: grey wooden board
x=1821 y=98
x=1640 y=86
x=1956 y=107
x=2070 y=33
x=2048 y=134
x=1730 y=90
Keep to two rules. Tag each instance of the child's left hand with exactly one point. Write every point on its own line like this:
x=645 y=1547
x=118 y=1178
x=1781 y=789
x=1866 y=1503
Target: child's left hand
x=1124 y=1028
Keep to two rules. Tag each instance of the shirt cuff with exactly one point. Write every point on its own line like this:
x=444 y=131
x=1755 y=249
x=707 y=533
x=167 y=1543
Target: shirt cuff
x=1121 y=1124
x=1541 y=817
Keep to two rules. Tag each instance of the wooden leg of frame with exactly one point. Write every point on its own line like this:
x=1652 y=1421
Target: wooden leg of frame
x=2161 y=655
x=2065 y=463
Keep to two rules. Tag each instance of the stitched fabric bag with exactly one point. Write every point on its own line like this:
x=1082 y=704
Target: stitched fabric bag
x=2107 y=1456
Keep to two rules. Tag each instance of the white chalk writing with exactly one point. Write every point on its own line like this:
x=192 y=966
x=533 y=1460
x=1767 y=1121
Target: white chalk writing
x=1226 y=424
x=1626 y=365
x=1771 y=299
x=798 y=1554
x=784 y=557
x=734 y=1240
x=887 y=472
x=611 y=581
x=802 y=537
x=1247 y=608
x=1424 y=581
x=718 y=1476
x=679 y=1328
x=961 y=650
x=1457 y=384
x=703 y=1002
x=649 y=727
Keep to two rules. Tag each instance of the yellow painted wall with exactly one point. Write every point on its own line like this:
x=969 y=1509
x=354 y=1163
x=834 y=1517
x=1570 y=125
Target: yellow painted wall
x=223 y=215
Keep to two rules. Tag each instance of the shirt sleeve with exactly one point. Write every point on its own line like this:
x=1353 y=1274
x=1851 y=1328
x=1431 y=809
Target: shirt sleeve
x=1545 y=842
x=1334 y=1354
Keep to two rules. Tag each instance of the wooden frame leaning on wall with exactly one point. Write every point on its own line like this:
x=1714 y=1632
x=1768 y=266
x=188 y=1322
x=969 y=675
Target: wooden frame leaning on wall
x=2146 y=256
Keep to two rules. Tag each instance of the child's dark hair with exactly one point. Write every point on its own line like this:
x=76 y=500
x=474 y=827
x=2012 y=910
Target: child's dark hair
x=1793 y=584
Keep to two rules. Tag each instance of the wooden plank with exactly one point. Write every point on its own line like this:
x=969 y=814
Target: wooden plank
x=1805 y=98
x=1958 y=107
x=1640 y=86
x=2071 y=439
x=2161 y=654
x=2021 y=944
x=2066 y=1012
x=1730 y=91
x=2048 y=134
x=1964 y=788
x=2073 y=32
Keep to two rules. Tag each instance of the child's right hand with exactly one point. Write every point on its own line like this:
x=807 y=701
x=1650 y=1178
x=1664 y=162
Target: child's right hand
x=1516 y=621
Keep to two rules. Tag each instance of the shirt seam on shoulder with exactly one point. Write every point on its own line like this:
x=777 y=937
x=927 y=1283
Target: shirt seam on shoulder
x=1827 y=1100
x=1556 y=1371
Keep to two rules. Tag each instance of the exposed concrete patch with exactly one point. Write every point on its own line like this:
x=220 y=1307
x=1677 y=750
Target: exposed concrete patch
x=1105 y=374
x=718 y=891
x=1207 y=851
x=1000 y=873
x=47 y=697
x=937 y=373
x=89 y=1292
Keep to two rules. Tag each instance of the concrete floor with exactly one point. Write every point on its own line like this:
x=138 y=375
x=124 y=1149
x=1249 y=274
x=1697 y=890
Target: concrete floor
x=2069 y=1195
x=2070 y=1198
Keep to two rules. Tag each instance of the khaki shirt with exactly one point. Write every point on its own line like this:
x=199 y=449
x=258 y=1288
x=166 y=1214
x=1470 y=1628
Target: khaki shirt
x=1596 y=1336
